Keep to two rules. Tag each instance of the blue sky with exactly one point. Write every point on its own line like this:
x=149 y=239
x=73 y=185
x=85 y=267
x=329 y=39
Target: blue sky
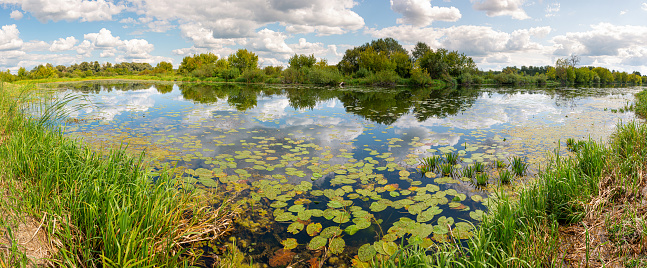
x=496 y=33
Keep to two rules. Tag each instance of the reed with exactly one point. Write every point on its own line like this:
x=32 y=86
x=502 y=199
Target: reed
x=505 y=176
x=519 y=166
x=104 y=209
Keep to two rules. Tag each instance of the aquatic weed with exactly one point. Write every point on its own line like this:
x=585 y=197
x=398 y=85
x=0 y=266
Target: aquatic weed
x=519 y=165
x=505 y=176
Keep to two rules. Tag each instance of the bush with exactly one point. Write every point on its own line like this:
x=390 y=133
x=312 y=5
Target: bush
x=363 y=73
x=254 y=76
x=383 y=78
x=324 y=76
x=420 y=77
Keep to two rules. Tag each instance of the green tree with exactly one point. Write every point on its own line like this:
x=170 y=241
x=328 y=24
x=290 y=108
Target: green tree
x=300 y=61
x=243 y=60
x=419 y=50
x=403 y=64
x=164 y=66
x=375 y=61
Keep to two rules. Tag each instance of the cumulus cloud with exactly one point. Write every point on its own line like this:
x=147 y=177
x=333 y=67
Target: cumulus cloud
x=9 y=38
x=495 y=8
x=16 y=15
x=103 y=39
x=57 y=10
x=603 y=39
x=63 y=44
x=421 y=13
x=644 y=6
x=236 y=19
x=475 y=41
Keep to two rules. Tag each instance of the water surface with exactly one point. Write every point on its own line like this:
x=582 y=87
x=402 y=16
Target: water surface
x=338 y=168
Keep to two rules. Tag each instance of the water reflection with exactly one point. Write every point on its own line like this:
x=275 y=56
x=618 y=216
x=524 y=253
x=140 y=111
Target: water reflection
x=331 y=151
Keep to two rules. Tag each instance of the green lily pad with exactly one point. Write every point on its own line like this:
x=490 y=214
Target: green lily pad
x=317 y=243
x=295 y=227
x=390 y=248
x=313 y=228
x=366 y=252
x=289 y=243
x=337 y=245
x=377 y=206
x=330 y=232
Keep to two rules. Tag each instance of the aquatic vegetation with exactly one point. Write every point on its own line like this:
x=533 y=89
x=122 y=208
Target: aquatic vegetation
x=447 y=169
x=482 y=179
x=505 y=176
x=430 y=164
x=452 y=158
x=468 y=172
x=281 y=257
x=519 y=165
x=499 y=164
x=640 y=106
x=479 y=167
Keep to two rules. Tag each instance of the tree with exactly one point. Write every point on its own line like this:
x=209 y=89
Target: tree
x=375 y=61
x=302 y=61
x=243 y=60
x=561 y=69
x=164 y=66
x=403 y=64
x=573 y=60
x=419 y=50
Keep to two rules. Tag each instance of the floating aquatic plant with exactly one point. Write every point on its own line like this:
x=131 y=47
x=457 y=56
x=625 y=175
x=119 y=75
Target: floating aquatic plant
x=500 y=164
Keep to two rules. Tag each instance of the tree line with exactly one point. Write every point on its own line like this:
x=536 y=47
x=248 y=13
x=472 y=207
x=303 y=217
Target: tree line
x=379 y=62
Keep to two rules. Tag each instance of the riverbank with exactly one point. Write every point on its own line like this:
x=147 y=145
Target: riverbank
x=585 y=210
x=66 y=205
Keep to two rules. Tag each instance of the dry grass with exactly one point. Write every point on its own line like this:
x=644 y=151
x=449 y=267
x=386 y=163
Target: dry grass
x=613 y=233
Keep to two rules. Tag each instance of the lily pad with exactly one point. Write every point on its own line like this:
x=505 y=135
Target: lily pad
x=295 y=227
x=289 y=243
x=337 y=245
x=366 y=252
x=313 y=228
x=317 y=243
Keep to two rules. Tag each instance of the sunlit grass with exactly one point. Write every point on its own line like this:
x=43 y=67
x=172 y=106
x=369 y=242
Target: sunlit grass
x=105 y=209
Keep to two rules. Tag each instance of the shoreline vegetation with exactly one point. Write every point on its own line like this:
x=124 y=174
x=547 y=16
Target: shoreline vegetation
x=382 y=62
x=84 y=208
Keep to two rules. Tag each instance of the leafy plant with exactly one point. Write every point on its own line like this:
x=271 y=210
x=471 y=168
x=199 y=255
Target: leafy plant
x=505 y=176
x=482 y=179
x=519 y=166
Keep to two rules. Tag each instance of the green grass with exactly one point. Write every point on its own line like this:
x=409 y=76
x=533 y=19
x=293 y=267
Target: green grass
x=482 y=179
x=468 y=172
x=452 y=158
x=505 y=176
x=430 y=164
x=447 y=169
x=518 y=165
x=640 y=106
x=103 y=209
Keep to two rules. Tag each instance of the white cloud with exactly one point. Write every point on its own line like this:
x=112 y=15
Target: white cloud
x=495 y=8
x=103 y=39
x=603 y=39
x=85 y=49
x=57 y=10
x=203 y=37
x=63 y=44
x=644 y=6
x=552 y=9
x=421 y=13
x=35 y=45
x=235 y=19
x=16 y=15
x=270 y=41
x=474 y=41
x=9 y=38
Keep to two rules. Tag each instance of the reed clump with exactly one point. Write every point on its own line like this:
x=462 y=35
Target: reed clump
x=101 y=209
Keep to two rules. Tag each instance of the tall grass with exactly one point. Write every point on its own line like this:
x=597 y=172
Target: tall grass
x=640 y=107
x=103 y=209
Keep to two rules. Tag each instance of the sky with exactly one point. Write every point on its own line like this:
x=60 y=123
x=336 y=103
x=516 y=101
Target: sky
x=495 y=33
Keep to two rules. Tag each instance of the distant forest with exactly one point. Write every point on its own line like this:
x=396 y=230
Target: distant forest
x=382 y=62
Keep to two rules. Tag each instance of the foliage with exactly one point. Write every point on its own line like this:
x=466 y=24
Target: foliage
x=302 y=61
x=641 y=103
x=243 y=60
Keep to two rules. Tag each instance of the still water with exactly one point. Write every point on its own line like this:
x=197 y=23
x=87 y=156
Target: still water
x=338 y=169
